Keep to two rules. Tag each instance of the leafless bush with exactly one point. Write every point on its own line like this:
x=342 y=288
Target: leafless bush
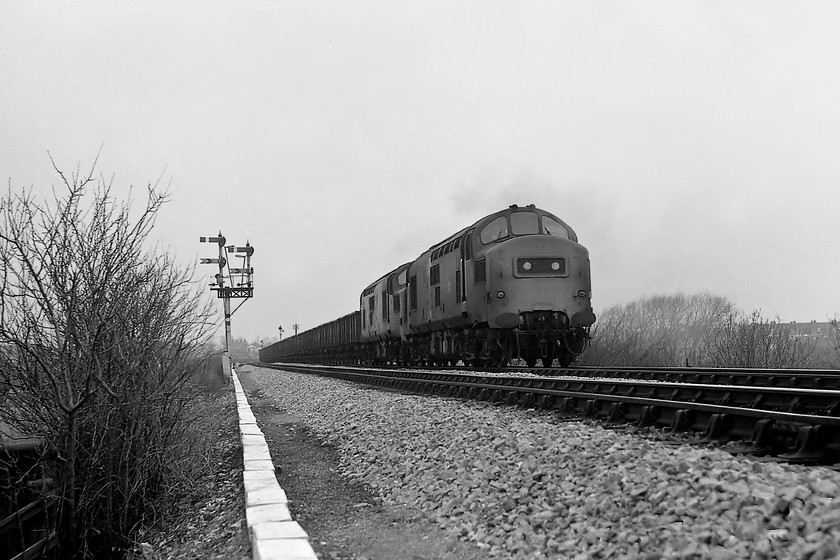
x=665 y=330
x=698 y=330
x=832 y=357
x=757 y=342
x=100 y=337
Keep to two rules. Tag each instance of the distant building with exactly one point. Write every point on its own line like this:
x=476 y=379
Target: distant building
x=824 y=336
x=815 y=329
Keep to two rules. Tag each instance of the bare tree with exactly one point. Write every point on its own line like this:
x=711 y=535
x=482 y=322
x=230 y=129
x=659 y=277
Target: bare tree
x=101 y=336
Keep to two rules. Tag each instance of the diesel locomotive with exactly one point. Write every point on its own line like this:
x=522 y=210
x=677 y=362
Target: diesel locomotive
x=515 y=284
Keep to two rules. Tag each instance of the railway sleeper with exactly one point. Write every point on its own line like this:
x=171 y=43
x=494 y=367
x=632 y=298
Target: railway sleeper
x=648 y=416
x=718 y=427
x=800 y=443
x=567 y=405
x=683 y=421
x=592 y=408
x=810 y=445
x=528 y=400
x=545 y=402
x=617 y=413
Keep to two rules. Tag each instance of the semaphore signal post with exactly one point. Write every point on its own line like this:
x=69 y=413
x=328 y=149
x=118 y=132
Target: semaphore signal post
x=231 y=283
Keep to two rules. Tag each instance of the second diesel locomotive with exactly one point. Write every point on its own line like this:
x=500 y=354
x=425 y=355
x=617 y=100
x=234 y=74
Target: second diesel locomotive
x=515 y=284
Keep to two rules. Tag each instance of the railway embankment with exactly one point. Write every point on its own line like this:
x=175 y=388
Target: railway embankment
x=208 y=522
x=495 y=481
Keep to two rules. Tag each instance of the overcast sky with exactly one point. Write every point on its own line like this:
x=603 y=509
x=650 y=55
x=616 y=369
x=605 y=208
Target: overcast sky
x=693 y=146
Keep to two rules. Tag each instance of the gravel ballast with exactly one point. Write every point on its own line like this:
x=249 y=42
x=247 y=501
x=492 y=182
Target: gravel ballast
x=527 y=484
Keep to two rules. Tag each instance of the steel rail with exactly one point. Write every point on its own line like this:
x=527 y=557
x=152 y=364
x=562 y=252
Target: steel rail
x=824 y=378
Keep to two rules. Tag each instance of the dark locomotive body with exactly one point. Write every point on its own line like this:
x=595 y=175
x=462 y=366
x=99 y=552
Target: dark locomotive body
x=514 y=284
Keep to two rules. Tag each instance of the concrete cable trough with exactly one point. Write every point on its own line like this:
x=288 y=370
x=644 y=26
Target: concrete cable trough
x=274 y=534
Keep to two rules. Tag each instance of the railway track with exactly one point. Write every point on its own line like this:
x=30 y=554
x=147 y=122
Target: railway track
x=805 y=378
x=793 y=415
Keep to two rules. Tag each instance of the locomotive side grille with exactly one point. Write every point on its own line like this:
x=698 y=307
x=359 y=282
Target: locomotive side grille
x=480 y=271
x=434 y=275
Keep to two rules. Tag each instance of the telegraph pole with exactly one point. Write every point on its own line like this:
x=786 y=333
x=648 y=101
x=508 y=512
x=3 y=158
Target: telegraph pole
x=240 y=284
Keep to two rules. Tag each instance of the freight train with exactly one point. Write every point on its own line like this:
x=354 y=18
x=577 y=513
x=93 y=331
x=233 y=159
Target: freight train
x=515 y=284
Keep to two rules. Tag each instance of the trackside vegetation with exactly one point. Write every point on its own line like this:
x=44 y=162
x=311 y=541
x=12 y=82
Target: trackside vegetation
x=102 y=340
x=705 y=330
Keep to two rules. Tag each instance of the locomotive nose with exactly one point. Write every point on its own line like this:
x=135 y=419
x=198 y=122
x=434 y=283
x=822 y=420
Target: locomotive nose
x=538 y=274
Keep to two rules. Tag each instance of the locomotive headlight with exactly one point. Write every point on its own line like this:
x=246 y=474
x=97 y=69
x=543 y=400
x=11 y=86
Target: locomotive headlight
x=531 y=267
x=500 y=294
x=582 y=293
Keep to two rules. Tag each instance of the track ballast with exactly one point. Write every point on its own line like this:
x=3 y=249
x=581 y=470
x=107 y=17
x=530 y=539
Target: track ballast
x=790 y=414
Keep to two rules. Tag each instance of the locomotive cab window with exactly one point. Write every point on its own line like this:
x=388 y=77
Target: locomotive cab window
x=553 y=227
x=524 y=223
x=495 y=230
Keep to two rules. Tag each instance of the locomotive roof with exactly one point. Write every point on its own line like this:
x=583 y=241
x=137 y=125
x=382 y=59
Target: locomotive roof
x=494 y=215
x=481 y=221
x=387 y=274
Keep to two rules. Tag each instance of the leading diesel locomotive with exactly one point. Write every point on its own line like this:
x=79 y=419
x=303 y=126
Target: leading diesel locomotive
x=515 y=284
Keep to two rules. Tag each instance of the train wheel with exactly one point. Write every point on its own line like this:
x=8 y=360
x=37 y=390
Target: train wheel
x=547 y=361
x=575 y=342
x=530 y=362
x=499 y=359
